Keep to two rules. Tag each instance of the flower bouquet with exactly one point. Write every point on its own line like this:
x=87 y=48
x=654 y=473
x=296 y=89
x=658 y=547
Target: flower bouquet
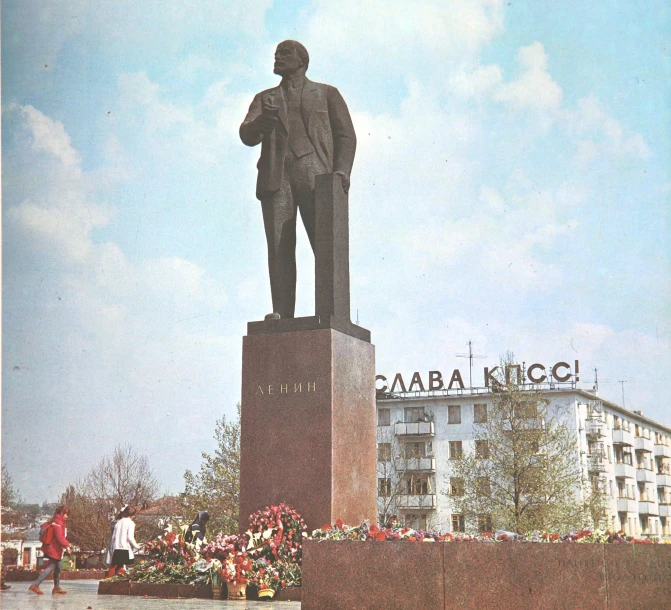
x=234 y=572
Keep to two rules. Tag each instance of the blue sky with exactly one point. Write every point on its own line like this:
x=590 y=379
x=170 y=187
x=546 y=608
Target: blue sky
x=511 y=187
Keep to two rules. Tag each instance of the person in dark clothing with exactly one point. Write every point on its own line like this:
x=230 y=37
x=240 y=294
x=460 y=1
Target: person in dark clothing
x=196 y=530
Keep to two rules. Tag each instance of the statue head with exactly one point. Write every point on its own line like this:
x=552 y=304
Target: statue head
x=290 y=57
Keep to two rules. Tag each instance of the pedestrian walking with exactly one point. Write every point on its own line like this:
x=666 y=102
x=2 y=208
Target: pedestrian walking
x=121 y=547
x=53 y=551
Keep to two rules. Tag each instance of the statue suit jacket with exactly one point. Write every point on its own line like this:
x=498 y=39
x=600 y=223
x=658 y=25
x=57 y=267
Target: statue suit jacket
x=328 y=125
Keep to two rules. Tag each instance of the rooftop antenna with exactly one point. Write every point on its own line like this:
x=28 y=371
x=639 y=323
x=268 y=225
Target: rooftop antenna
x=470 y=357
x=596 y=379
x=357 y=317
x=622 y=384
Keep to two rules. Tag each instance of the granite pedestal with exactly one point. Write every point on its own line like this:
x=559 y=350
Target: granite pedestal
x=308 y=421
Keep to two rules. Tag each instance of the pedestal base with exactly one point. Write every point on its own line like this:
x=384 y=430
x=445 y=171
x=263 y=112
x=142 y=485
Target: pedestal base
x=308 y=426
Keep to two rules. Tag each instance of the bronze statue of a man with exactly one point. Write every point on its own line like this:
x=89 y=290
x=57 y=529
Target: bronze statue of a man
x=305 y=130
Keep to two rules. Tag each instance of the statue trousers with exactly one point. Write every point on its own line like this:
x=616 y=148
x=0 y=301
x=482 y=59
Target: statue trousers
x=280 y=208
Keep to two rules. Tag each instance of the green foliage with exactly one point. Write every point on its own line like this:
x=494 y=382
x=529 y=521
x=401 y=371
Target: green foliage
x=216 y=487
x=526 y=475
x=10 y=497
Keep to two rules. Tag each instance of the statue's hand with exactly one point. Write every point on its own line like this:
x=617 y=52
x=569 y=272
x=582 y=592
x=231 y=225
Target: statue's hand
x=269 y=117
x=345 y=181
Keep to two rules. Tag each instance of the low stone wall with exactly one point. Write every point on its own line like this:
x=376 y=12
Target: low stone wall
x=164 y=591
x=175 y=591
x=468 y=575
x=30 y=575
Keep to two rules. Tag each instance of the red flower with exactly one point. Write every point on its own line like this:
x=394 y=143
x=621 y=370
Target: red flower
x=326 y=527
x=553 y=537
x=380 y=536
x=339 y=524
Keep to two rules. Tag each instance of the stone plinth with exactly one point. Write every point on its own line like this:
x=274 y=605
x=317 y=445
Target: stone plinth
x=505 y=576
x=308 y=425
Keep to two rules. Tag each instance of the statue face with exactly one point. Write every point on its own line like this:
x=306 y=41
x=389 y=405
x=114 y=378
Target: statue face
x=287 y=60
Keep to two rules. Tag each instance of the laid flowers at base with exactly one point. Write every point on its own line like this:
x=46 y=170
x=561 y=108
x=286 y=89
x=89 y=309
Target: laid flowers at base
x=367 y=532
x=236 y=567
x=222 y=546
x=276 y=533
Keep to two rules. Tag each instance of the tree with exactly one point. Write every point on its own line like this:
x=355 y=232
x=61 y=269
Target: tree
x=216 y=487
x=10 y=497
x=11 y=505
x=116 y=480
x=524 y=473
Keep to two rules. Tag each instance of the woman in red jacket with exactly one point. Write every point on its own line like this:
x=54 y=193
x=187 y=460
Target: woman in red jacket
x=54 y=552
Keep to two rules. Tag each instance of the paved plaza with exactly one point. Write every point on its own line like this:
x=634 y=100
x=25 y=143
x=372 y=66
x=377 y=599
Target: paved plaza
x=83 y=595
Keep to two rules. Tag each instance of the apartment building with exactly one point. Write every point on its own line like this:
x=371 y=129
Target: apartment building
x=623 y=455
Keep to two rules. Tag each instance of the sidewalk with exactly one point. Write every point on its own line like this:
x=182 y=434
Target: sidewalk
x=83 y=595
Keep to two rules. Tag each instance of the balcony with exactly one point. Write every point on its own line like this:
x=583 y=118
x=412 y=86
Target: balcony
x=625 y=470
x=662 y=451
x=425 y=502
x=648 y=508
x=424 y=464
x=420 y=428
x=663 y=480
x=665 y=510
x=626 y=505
x=644 y=444
x=645 y=476
x=595 y=430
x=623 y=437
x=596 y=463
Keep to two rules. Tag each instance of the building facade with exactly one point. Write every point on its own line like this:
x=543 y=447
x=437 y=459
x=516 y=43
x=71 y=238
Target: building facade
x=623 y=455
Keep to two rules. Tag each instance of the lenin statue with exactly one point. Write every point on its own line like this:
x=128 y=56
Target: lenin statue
x=305 y=130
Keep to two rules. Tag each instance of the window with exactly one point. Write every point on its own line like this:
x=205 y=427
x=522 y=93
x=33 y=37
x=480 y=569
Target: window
x=456 y=486
x=482 y=450
x=458 y=523
x=479 y=414
x=621 y=489
x=522 y=411
x=484 y=523
x=417 y=485
x=623 y=456
x=454 y=414
x=595 y=449
x=415 y=450
x=414 y=414
x=483 y=487
x=384 y=452
x=383 y=417
x=456 y=450
x=416 y=522
x=384 y=487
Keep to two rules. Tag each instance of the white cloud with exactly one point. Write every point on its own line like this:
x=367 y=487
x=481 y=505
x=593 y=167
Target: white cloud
x=394 y=37
x=597 y=134
x=475 y=82
x=534 y=88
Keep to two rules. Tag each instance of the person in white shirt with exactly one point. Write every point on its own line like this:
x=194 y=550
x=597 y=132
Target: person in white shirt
x=121 y=546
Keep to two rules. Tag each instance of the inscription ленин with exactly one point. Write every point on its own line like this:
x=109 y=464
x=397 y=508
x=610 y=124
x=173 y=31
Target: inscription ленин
x=286 y=388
